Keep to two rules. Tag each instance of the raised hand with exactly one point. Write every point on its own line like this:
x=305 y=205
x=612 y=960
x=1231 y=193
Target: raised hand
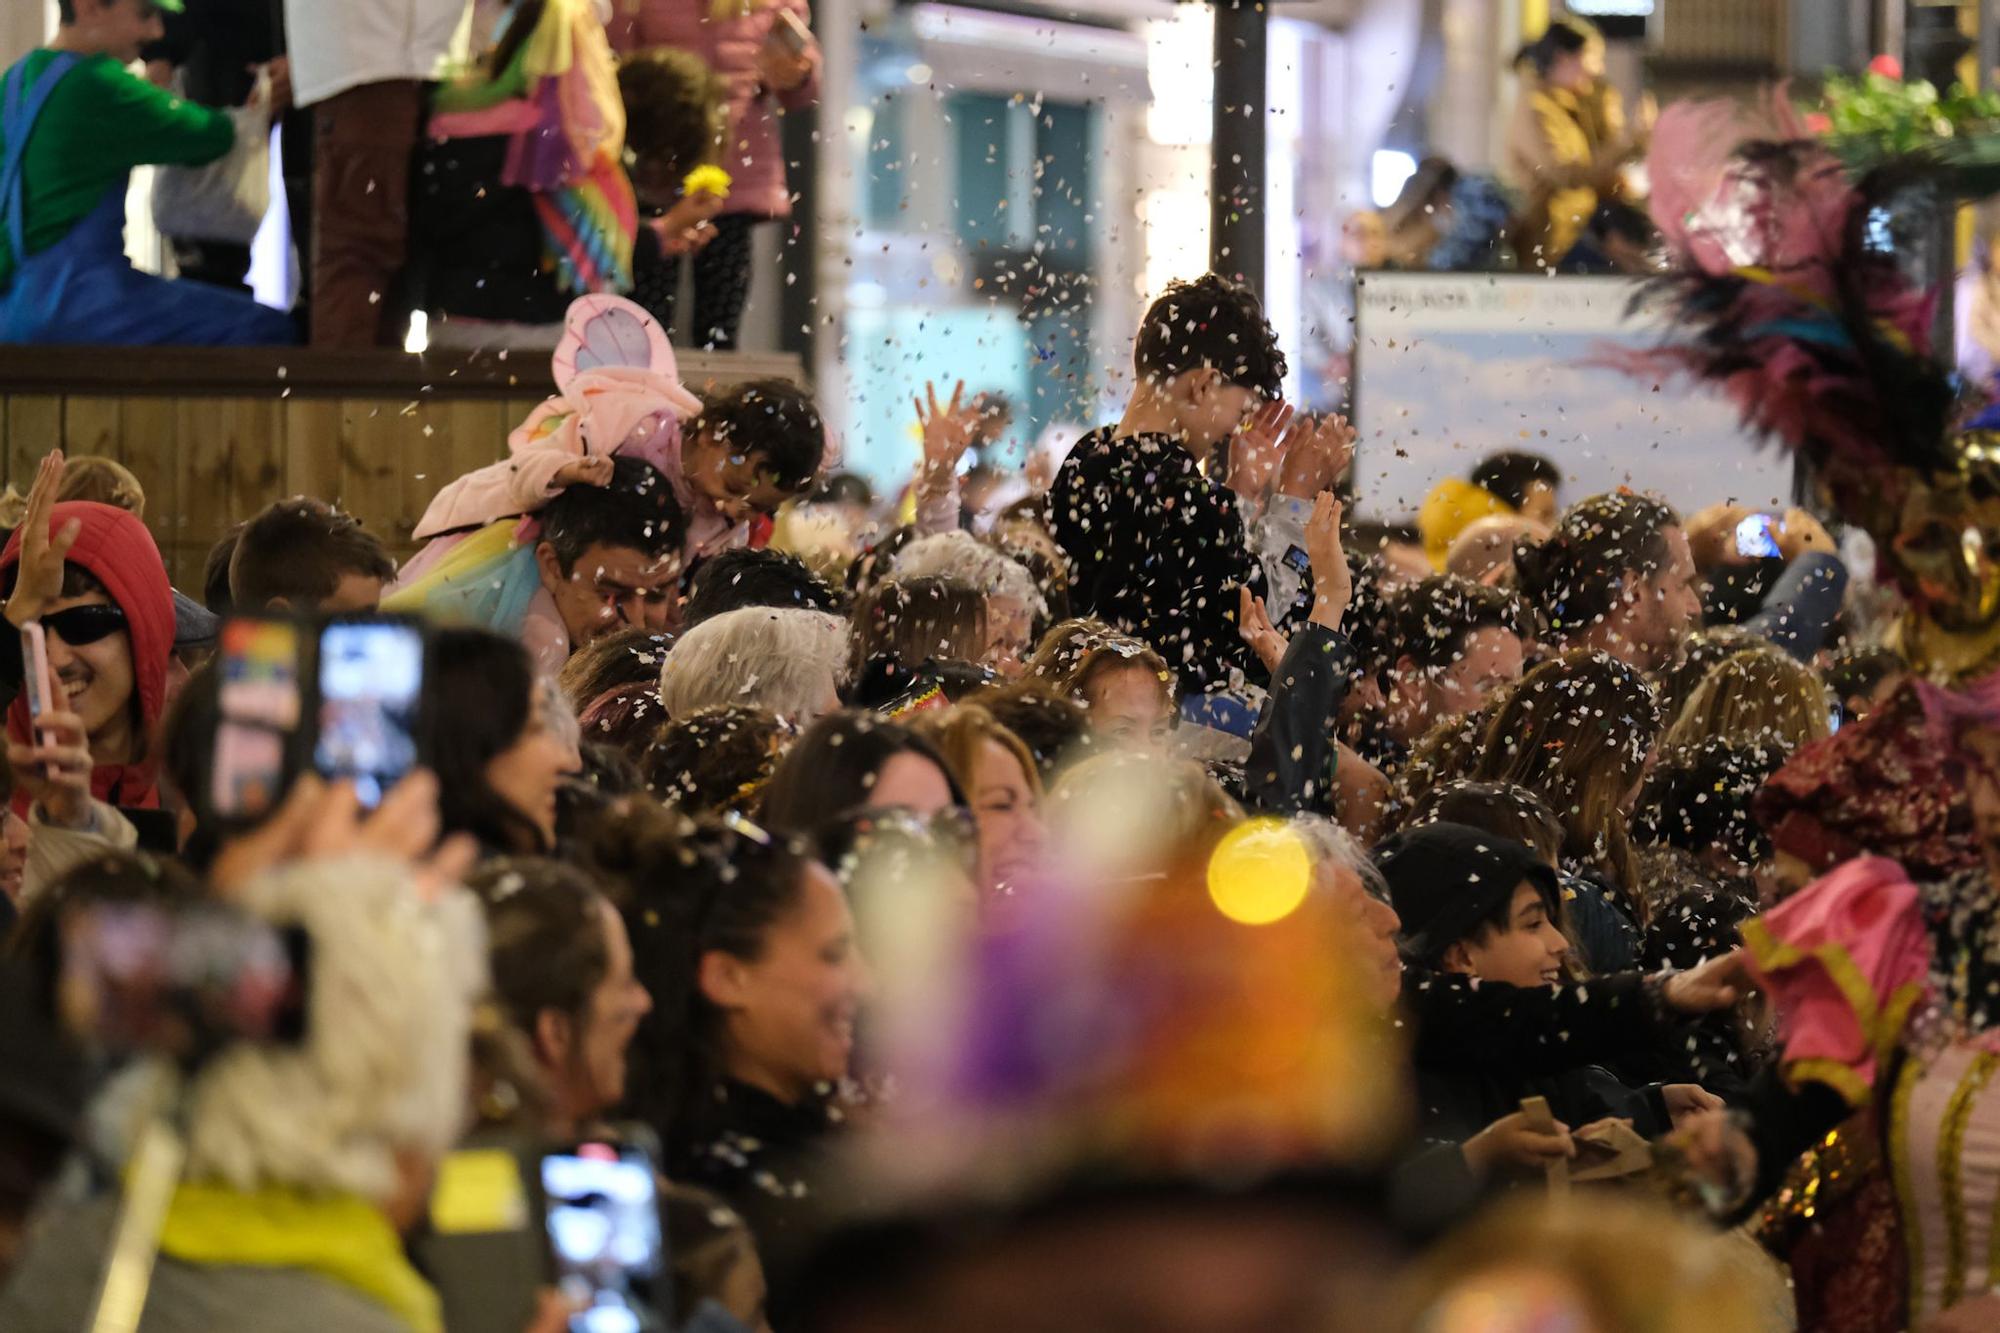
x=947 y=433
x=1256 y=452
x=1317 y=456
x=41 y=569
x=1333 y=581
x=318 y=820
x=1253 y=622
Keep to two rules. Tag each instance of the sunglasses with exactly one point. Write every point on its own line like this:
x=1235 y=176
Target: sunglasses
x=844 y=841
x=84 y=624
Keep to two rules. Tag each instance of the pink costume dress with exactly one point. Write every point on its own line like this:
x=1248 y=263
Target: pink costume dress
x=1890 y=994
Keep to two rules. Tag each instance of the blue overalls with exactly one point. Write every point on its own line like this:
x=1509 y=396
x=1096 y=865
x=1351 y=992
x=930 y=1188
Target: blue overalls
x=83 y=289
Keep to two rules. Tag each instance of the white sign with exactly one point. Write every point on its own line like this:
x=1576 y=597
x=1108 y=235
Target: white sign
x=1451 y=367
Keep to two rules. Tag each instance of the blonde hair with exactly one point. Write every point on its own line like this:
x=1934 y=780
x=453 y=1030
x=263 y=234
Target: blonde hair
x=780 y=658
x=1759 y=694
x=103 y=480
x=1619 y=1262
x=1576 y=732
x=1075 y=652
x=960 y=731
x=384 y=1064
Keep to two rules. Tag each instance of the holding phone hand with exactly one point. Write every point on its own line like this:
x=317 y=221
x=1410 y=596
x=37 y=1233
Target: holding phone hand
x=56 y=771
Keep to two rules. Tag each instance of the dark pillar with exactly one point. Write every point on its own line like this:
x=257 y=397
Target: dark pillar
x=798 y=258
x=1932 y=47
x=1236 y=178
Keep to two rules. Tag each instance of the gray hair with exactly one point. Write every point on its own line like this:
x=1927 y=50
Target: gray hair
x=1329 y=842
x=781 y=658
x=960 y=557
x=383 y=1065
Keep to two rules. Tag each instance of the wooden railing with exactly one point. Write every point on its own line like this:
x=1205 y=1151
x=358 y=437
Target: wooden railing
x=215 y=434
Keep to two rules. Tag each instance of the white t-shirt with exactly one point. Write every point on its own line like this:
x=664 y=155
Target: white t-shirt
x=336 y=45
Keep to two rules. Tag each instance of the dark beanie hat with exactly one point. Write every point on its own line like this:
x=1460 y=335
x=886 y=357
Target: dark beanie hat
x=1444 y=879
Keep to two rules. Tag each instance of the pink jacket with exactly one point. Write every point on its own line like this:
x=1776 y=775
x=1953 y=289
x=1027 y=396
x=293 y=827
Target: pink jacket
x=751 y=154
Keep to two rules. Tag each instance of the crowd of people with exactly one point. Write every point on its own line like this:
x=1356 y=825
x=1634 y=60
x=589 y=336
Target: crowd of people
x=1171 y=905
x=485 y=161
x=479 y=161
x=691 y=892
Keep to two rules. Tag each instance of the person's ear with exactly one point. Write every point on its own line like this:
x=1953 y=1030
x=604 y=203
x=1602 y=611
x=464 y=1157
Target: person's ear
x=550 y=565
x=1458 y=958
x=554 y=1038
x=723 y=979
x=281 y=605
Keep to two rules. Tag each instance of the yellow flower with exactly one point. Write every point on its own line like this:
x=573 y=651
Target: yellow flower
x=707 y=180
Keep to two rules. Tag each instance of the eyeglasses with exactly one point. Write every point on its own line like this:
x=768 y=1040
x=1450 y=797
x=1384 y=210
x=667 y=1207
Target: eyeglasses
x=84 y=624
x=846 y=840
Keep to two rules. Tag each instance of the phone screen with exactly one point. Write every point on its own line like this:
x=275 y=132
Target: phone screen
x=371 y=677
x=35 y=658
x=259 y=707
x=604 y=1229
x=1757 y=537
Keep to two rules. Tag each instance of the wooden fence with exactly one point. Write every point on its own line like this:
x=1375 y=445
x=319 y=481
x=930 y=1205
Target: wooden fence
x=215 y=434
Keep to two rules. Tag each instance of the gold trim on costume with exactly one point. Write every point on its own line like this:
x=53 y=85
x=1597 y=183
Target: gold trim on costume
x=1950 y=1158
x=1899 y=1176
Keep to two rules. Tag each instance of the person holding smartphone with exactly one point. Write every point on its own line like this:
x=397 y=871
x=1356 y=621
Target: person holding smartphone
x=92 y=577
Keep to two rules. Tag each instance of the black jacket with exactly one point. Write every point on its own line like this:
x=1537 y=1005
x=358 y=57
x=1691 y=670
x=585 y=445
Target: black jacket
x=773 y=1164
x=1158 y=550
x=1290 y=769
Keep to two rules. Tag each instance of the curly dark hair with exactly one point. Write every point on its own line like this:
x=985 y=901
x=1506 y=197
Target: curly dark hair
x=675 y=111
x=1430 y=621
x=773 y=419
x=1575 y=577
x=1211 y=323
x=1699 y=796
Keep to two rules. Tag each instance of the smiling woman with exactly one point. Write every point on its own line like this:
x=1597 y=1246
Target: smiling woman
x=106 y=610
x=748 y=951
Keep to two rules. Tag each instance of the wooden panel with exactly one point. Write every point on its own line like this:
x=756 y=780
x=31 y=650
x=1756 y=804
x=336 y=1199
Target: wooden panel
x=229 y=464
x=93 y=425
x=148 y=443
x=382 y=445
x=34 y=426
x=311 y=448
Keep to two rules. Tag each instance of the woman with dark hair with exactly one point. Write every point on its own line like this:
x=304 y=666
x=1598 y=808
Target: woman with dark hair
x=852 y=761
x=747 y=947
x=498 y=743
x=562 y=970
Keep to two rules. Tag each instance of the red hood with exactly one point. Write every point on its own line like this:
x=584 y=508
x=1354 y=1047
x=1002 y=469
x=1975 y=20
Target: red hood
x=118 y=551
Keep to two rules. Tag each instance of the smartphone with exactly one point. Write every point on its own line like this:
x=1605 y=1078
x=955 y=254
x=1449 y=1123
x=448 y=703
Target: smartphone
x=601 y=1213
x=40 y=684
x=1757 y=537
x=260 y=706
x=369 y=703
x=790 y=34
x=182 y=982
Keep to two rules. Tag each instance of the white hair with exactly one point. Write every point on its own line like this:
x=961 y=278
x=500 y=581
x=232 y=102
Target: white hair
x=960 y=557
x=382 y=1068
x=785 y=659
x=1329 y=842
